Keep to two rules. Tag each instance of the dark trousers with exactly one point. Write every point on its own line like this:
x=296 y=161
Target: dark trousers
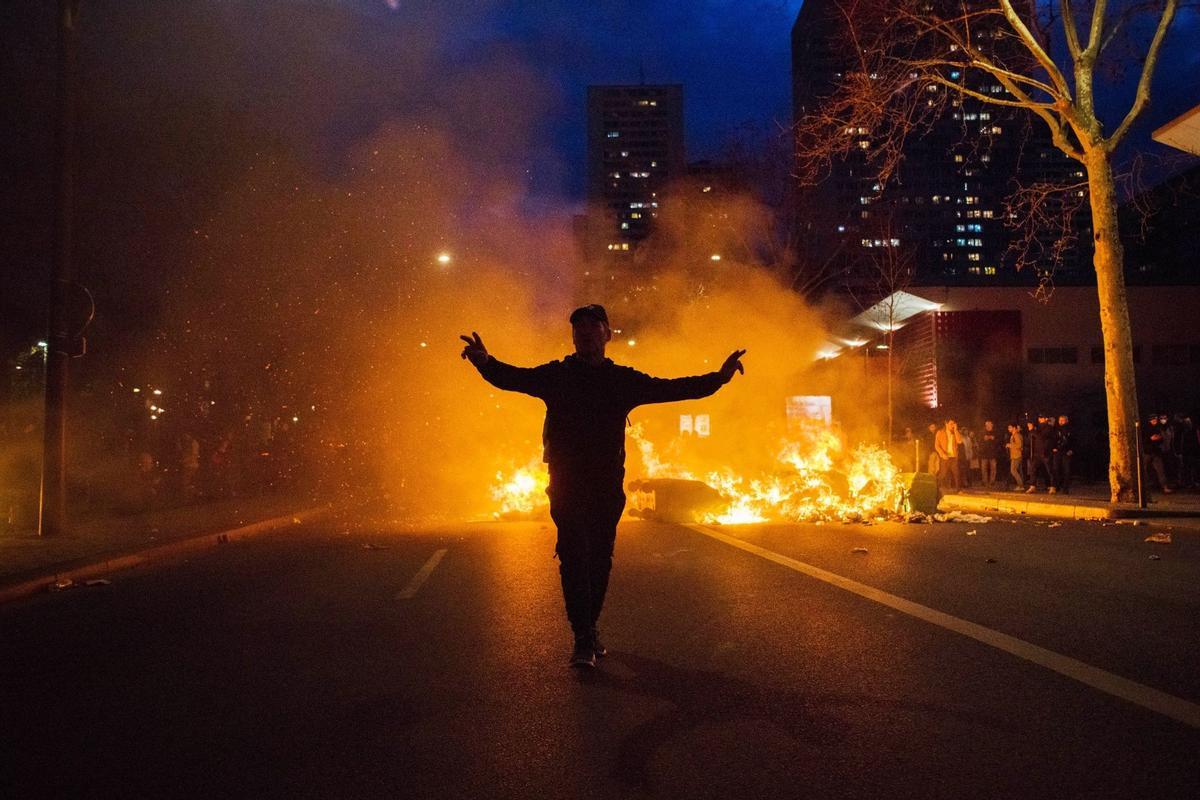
x=948 y=474
x=1062 y=472
x=1039 y=467
x=586 y=509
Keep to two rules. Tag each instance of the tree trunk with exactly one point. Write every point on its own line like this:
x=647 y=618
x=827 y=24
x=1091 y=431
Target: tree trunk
x=1119 y=383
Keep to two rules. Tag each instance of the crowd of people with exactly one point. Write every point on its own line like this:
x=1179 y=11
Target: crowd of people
x=1037 y=453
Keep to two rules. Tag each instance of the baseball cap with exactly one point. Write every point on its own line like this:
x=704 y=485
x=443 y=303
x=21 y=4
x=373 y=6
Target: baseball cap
x=594 y=311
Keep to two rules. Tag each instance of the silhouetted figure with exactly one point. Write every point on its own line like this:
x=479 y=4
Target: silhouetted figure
x=588 y=399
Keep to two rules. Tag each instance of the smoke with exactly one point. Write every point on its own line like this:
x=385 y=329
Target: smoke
x=310 y=202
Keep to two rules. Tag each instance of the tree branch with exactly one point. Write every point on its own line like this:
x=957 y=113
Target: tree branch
x=1142 y=98
x=1031 y=44
x=1068 y=20
x=1096 y=36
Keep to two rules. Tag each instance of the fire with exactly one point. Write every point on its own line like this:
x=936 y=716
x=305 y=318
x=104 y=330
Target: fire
x=522 y=491
x=816 y=478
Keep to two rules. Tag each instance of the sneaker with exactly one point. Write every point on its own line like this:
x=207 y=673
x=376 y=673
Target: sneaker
x=583 y=656
x=597 y=646
x=1053 y=490
x=1031 y=490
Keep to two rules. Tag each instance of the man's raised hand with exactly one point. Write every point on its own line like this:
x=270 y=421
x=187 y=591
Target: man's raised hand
x=732 y=364
x=475 y=351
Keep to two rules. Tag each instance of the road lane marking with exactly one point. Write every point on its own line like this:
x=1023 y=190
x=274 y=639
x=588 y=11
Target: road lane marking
x=1168 y=705
x=422 y=575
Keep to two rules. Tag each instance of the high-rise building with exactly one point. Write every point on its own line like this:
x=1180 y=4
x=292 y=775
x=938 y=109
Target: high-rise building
x=944 y=213
x=635 y=151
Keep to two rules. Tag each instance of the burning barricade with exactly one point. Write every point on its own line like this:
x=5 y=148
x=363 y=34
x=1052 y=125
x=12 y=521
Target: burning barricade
x=816 y=478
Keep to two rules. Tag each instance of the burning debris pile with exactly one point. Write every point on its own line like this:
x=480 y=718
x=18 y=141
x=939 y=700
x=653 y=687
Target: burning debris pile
x=817 y=478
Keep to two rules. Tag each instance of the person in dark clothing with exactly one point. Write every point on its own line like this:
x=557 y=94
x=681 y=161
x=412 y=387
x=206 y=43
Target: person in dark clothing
x=1040 y=446
x=588 y=399
x=989 y=451
x=1063 y=451
x=1152 y=444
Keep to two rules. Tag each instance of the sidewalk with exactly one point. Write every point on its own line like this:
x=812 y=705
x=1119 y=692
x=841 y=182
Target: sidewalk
x=1085 y=502
x=28 y=561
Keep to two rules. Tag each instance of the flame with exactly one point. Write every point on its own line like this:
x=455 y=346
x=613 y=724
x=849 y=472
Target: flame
x=522 y=490
x=816 y=477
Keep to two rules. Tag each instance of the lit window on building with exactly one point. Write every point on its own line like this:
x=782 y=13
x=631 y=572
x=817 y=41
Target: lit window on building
x=974 y=257
x=989 y=270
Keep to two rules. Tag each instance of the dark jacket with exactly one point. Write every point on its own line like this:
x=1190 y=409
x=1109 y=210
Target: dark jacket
x=587 y=406
x=1066 y=440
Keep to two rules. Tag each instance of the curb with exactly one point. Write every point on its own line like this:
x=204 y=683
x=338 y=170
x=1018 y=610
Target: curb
x=1031 y=507
x=28 y=588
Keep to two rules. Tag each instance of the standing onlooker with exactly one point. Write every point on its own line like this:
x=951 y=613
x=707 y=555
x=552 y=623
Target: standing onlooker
x=989 y=451
x=946 y=443
x=1029 y=434
x=1016 y=454
x=1039 y=449
x=935 y=463
x=1189 y=451
x=967 y=457
x=1152 y=439
x=1064 y=448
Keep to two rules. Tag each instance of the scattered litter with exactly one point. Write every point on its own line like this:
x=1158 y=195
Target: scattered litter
x=961 y=516
x=295 y=520
x=917 y=518
x=370 y=546
x=98 y=582
x=62 y=585
x=1131 y=522
x=972 y=532
x=990 y=560
x=1159 y=538
x=1155 y=558
x=859 y=550
x=1055 y=525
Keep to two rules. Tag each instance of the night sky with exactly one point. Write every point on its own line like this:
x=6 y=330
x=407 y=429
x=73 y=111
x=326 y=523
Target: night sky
x=178 y=100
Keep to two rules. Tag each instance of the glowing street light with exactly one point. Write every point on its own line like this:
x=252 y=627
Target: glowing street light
x=443 y=258
x=715 y=256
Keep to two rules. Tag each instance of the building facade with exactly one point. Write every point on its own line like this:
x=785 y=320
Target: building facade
x=635 y=151
x=945 y=211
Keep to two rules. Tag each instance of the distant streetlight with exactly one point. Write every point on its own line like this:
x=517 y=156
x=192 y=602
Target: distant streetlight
x=443 y=258
x=715 y=256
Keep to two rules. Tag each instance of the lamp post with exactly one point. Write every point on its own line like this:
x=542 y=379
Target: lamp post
x=52 y=512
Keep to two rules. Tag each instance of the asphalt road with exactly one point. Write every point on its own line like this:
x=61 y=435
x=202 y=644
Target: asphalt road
x=315 y=663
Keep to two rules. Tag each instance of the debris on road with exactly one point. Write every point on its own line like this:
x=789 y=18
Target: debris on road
x=1154 y=557
x=295 y=520
x=1159 y=538
x=1055 y=525
x=62 y=585
x=972 y=532
x=961 y=516
x=990 y=560
x=1131 y=522
x=98 y=582
x=860 y=550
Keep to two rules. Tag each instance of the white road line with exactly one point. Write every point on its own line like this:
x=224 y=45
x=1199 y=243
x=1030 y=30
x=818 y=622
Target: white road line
x=1168 y=705
x=422 y=575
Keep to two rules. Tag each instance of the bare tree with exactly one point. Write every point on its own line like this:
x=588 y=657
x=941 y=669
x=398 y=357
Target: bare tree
x=912 y=59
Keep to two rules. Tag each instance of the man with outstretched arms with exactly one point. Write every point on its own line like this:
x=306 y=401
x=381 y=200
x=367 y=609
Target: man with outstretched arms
x=588 y=399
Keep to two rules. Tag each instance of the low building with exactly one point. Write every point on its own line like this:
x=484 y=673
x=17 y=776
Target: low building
x=999 y=352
